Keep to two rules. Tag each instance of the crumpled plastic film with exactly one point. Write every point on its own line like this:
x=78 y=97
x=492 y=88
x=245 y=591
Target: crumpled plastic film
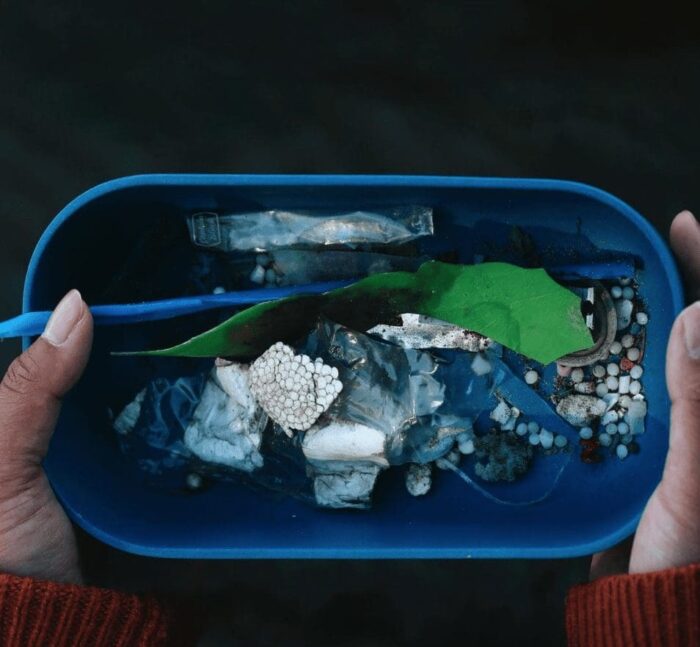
x=277 y=228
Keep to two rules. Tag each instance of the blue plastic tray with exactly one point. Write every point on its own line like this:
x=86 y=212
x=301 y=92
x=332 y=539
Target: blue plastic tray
x=593 y=506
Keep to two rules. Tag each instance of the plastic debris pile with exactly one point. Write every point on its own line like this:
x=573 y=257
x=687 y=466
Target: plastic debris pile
x=324 y=417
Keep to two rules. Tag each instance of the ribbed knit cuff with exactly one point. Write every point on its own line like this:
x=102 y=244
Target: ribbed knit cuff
x=33 y=612
x=661 y=608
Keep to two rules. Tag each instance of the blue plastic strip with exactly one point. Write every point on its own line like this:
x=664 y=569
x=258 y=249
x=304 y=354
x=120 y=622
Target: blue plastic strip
x=33 y=323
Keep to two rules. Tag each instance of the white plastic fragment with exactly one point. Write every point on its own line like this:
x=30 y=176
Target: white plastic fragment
x=129 y=416
x=418 y=479
x=345 y=485
x=621 y=451
x=636 y=372
x=580 y=410
x=420 y=332
x=625 y=401
x=292 y=389
x=624 y=384
x=625 y=280
x=227 y=425
x=480 y=365
x=502 y=413
x=345 y=441
x=642 y=318
x=531 y=377
x=577 y=375
x=635 y=416
x=585 y=387
x=219 y=289
x=633 y=354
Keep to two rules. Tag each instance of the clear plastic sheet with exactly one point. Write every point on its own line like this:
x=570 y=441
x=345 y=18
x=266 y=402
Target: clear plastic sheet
x=276 y=229
x=298 y=266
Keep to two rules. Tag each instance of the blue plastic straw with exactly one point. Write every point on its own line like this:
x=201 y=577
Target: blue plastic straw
x=33 y=323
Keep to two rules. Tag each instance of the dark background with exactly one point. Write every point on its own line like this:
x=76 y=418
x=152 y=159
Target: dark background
x=91 y=91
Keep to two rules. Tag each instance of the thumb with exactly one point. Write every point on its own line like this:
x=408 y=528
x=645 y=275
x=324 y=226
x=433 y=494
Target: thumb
x=669 y=533
x=31 y=391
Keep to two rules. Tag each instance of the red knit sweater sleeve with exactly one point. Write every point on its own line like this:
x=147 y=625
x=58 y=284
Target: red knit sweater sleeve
x=40 y=613
x=653 y=609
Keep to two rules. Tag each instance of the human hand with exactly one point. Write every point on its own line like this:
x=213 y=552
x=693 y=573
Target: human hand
x=668 y=534
x=36 y=537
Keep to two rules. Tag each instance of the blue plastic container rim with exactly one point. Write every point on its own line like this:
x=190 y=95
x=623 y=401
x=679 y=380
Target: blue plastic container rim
x=361 y=181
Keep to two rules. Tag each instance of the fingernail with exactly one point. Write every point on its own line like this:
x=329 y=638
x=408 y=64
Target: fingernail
x=64 y=318
x=691 y=328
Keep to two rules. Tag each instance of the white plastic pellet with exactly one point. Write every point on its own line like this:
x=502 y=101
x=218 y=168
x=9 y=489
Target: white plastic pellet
x=560 y=441
x=219 y=289
x=621 y=451
x=531 y=377
x=598 y=371
x=627 y=341
x=534 y=439
x=623 y=386
x=193 y=481
x=628 y=293
x=615 y=348
x=633 y=354
x=625 y=280
x=601 y=389
x=546 y=439
x=636 y=372
x=613 y=369
x=585 y=433
x=642 y=318
x=577 y=375
x=635 y=388
x=533 y=427
x=611 y=429
x=611 y=383
x=616 y=291
x=623 y=428
x=605 y=440
x=521 y=429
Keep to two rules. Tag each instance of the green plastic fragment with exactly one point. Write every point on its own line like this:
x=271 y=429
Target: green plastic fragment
x=523 y=309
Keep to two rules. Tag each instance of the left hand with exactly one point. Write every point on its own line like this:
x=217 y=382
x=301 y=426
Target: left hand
x=36 y=537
